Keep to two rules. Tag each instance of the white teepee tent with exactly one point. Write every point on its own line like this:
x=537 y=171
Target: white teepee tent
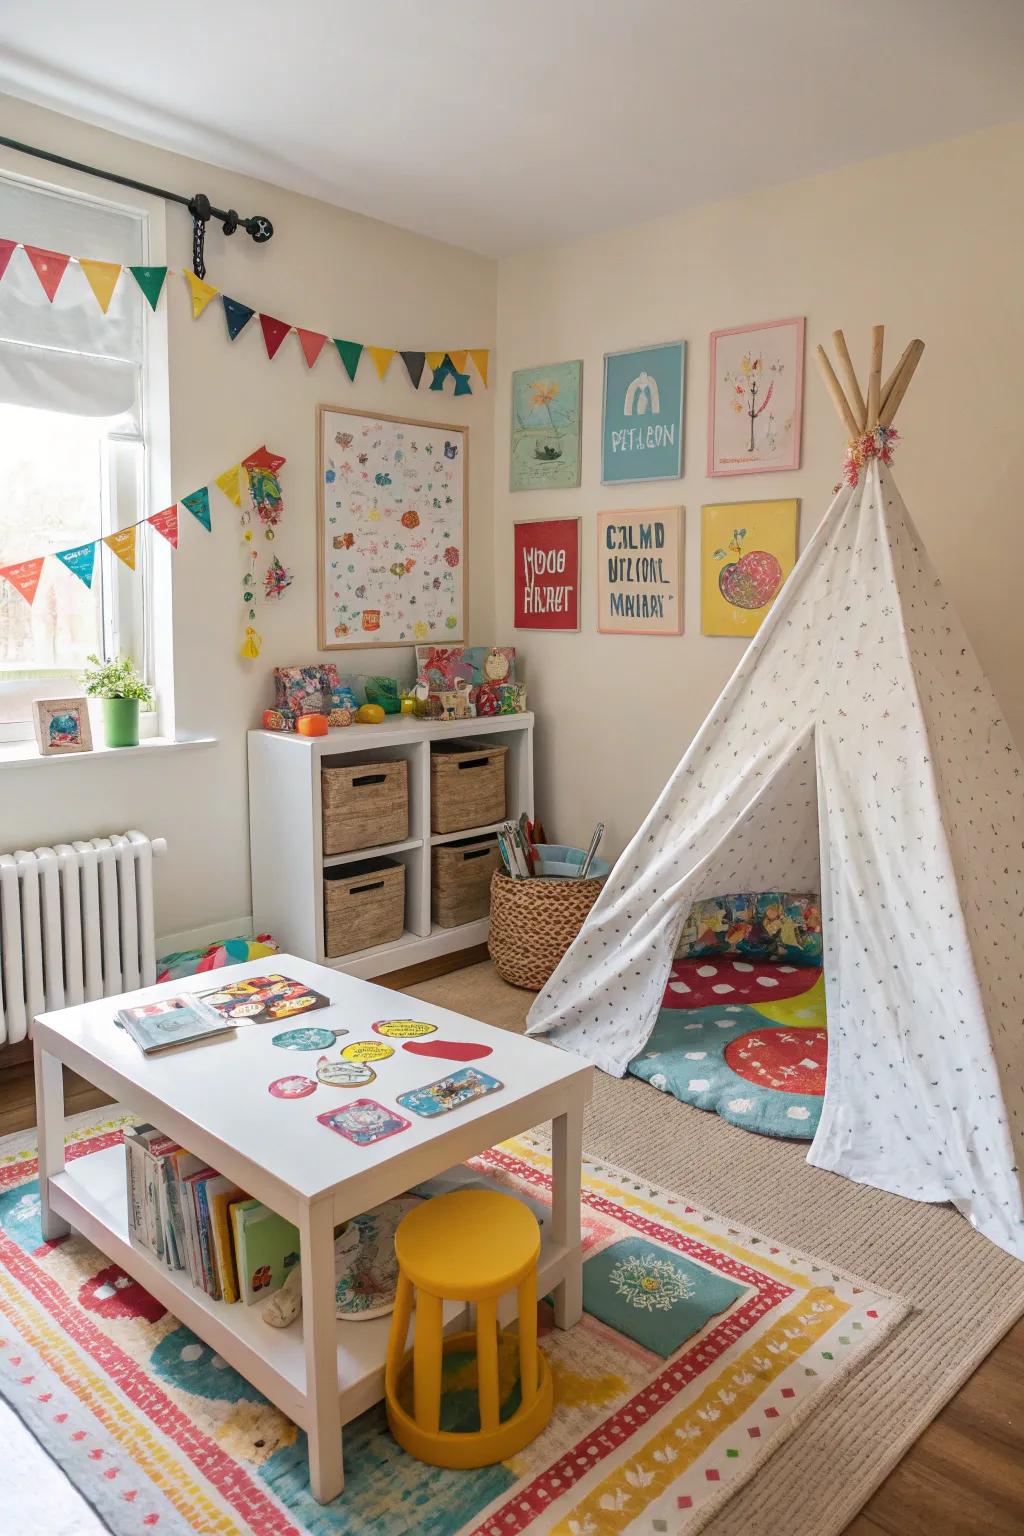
x=858 y=749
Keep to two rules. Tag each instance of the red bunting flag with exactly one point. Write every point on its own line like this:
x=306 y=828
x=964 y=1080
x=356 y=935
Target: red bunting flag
x=24 y=576
x=166 y=522
x=312 y=344
x=274 y=332
x=50 y=267
x=7 y=250
x=264 y=459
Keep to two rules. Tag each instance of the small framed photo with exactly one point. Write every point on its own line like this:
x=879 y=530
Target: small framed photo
x=62 y=726
x=756 y=398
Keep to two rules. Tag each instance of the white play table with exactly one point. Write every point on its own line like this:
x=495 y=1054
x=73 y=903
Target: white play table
x=213 y=1099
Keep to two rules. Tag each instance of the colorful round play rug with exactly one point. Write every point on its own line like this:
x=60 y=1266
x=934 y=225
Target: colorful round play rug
x=745 y=1039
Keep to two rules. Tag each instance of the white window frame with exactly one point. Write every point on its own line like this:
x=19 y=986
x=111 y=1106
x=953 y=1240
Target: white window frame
x=151 y=640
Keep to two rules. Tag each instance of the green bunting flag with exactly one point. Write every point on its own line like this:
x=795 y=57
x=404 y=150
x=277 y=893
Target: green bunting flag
x=81 y=561
x=350 y=352
x=198 y=503
x=151 y=280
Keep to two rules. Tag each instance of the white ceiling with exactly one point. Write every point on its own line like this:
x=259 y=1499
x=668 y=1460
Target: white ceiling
x=503 y=124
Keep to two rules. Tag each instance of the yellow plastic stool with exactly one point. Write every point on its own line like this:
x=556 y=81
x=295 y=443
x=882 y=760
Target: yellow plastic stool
x=472 y=1245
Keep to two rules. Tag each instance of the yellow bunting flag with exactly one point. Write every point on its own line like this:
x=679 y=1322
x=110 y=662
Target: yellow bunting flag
x=381 y=358
x=481 y=357
x=102 y=277
x=123 y=545
x=458 y=361
x=434 y=360
x=201 y=293
x=230 y=484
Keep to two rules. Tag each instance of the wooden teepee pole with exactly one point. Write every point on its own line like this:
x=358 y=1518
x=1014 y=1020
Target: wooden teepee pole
x=875 y=376
x=910 y=360
x=887 y=387
x=835 y=389
x=853 y=394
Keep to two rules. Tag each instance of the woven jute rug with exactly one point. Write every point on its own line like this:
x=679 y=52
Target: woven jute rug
x=963 y=1291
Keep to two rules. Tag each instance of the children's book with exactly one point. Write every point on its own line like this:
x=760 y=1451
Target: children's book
x=171 y=1021
x=208 y=1271
x=266 y=1248
x=183 y=1209
x=220 y=1194
x=263 y=999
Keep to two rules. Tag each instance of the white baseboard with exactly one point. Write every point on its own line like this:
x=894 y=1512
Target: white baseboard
x=198 y=938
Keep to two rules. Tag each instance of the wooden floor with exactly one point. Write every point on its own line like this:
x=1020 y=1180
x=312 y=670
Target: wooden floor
x=964 y=1476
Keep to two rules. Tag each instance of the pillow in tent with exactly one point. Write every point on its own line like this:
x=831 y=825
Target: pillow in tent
x=766 y=925
x=192 y=962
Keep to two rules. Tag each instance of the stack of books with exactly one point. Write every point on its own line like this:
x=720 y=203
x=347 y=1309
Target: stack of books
x=191 y=1218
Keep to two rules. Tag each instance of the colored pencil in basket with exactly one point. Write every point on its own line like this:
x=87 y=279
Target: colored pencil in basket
x=595 y=843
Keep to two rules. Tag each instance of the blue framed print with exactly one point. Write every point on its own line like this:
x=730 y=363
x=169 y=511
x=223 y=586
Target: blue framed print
x=644 y=402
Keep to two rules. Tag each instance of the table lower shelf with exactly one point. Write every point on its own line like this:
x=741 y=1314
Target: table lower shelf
x=91 y=1196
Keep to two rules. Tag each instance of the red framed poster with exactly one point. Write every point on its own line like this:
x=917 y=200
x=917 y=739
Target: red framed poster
x=547 y=574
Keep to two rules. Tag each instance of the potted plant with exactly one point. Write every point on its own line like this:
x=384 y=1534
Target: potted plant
x=122 y=690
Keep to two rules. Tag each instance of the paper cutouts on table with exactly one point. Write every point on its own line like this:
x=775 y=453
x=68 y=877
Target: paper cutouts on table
x=295 y=1087
x=403 y=1029
x=364 y=1121
x=345 y=1074
x=304 y=1039
x=368 y=1050
x=449 y=1093
x=448 y=1050
x=264 y=999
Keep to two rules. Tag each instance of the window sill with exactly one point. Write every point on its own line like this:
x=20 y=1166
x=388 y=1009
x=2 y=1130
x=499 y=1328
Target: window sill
x=25 y=754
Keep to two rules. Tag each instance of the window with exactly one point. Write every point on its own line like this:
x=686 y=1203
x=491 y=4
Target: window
x=75 y=404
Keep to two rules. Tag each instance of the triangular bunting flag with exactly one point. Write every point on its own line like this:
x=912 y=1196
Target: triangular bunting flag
x=123 y=545
x=350 y=352
x=381 y=359
x=166 y=522
x=229 y=484
x=434 y=360
x=480 y=358
x=200 y=292
x=80 y=561
x=237 y=315
x=312 y=344
x=24 y=576
x=198 y=503
x=414 y=366
x=7 y=250
x=458 y=361
x=151 y=280
x=102 y=278
x=274 y=332
x=264 y=459
x=50 y=267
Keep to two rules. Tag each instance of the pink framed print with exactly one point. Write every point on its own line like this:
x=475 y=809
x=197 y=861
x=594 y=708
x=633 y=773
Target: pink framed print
x=756 y=405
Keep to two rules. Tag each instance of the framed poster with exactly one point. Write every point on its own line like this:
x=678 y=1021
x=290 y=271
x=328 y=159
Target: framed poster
x=62 y=726
x=748 y=548
x=547 y=574
x=546 y=422
x=642 y=423
x=640 y=572
x=756 y=398
x=391 y=529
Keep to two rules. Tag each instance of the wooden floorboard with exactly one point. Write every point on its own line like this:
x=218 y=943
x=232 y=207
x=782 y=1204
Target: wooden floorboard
x=963 y=1477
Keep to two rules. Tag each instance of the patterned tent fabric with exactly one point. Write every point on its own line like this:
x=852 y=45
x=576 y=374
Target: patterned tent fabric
x=858 y=737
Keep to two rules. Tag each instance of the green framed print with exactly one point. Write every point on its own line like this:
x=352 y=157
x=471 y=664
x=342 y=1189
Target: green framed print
x=644 y=402
x=546 y=423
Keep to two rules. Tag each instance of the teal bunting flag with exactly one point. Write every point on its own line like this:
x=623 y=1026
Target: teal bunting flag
x=198 y=503
x=350 y=352
x=448 y=370
x=236 y=315
x=81 y=561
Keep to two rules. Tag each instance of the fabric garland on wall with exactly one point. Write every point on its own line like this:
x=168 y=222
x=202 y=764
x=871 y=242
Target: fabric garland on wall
x=103 y=277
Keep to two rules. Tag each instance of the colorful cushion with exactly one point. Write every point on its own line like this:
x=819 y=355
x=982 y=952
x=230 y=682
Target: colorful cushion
x=654 y=1296
x=710 y=983
x=766 y=925
x=191 y=962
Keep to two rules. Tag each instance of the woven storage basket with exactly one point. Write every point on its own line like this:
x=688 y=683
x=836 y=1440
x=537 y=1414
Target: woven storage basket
x=467 y=785
x=364 y=905
x=533 y=922
x=365 y=805
x=460 y=880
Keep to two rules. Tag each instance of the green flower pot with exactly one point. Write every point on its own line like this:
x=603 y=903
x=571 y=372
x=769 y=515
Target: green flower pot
x=121 y=722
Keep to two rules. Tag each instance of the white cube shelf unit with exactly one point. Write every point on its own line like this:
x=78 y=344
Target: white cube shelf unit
x=286 y=831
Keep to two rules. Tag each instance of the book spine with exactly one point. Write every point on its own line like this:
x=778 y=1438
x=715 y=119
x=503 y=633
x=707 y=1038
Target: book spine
x=133 y=1181
x=241 y=1257
x=174 y=1223
x=205 y=1241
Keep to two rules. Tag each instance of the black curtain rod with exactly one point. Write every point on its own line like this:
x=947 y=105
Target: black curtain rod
x=258 y=227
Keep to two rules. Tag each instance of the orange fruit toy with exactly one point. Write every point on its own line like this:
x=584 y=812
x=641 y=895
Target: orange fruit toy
x=312 y=725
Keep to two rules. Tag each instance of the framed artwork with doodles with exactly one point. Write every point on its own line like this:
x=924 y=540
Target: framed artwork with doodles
x=391 y=529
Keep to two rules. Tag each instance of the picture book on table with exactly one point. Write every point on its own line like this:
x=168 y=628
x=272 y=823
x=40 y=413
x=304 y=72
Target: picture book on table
x=264 y=999
x=171 y=1021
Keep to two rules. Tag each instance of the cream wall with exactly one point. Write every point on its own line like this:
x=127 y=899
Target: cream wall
x=328 y=270
x=929 y=243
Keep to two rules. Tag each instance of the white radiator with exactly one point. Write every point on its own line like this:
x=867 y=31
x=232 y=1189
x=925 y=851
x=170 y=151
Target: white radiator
x=76 y=923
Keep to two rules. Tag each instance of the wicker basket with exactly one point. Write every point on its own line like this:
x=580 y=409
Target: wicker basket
x=364 y=905
x=460 y=880
x=467 y=785
x=365 y=805
x=533 y=922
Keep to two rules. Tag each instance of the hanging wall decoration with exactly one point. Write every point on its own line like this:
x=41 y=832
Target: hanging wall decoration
x=546 y=556
x=642 y=429
x=756 y=398
x=748 y=548
x=640 y=572
x=546 y=425
x=391 y=529
x=102 y=277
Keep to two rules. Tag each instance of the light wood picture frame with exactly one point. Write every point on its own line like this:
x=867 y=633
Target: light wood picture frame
x=62 y=726
x=392 y=524
x=640 y=571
